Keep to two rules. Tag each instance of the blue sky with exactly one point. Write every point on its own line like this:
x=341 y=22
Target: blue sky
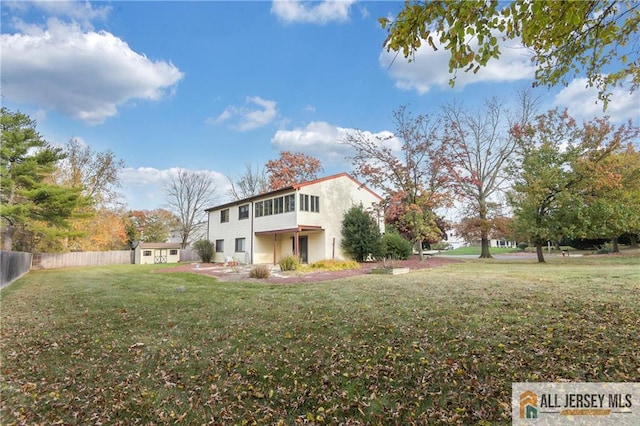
x=213 y=85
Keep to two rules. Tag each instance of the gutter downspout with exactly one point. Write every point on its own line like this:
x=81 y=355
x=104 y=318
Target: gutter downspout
x=208 y=221
x=252 y=236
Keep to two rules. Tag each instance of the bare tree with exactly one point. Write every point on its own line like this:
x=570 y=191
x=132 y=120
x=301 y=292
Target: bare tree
x=188 y=194
x=411 y=169
x=254 y=181
x=95 y=172
x=481 y=144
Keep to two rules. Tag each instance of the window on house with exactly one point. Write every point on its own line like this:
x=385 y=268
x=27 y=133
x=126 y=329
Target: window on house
x=224 y=215
x=278 y=205
x=219 y=246
x=173 y=252
x=289 y=203
x=146 y=253
x=239 y=245
x=304 y=202
x=315 y=203
x=243 y=211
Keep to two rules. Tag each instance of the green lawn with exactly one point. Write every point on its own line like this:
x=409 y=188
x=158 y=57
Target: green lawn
x=121 y=345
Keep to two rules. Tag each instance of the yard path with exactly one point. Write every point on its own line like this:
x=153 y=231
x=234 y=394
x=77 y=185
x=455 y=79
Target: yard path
x=241 y=273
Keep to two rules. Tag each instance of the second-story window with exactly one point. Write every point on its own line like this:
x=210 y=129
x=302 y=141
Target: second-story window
x=304 y=202
x=224 y=215
x=289 y=203
x=243 y=211
x=278 y=205
x=309 y=203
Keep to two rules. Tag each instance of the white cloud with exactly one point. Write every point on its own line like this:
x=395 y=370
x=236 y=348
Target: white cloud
x=143 y=187
x=324 y=141
x=582 y=102
x=430 y=68
x=81 y=11
x=83 y=74
x=248 y=117
x=364 y=12
x=323 y=12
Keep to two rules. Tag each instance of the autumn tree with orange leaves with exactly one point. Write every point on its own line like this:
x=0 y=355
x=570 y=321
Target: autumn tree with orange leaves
x=411 y=169
x=562 y=168
x=98 y=224
x=496 y=226
x=610 y=206
x=292 y=168
x=153 y=226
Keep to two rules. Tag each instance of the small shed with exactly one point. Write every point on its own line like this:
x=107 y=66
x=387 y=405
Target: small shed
x=149 y=253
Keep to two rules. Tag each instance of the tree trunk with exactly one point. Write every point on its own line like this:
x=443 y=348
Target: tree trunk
x=614 y=245
x=484 y=253
x=633 y=242
x=8 y=237
x=418 y=245
x=540 y=252
x=484 y=230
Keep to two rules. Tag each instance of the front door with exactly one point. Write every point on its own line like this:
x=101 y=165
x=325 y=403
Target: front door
x=160 y=256
x=303 y=252
x=304 y=249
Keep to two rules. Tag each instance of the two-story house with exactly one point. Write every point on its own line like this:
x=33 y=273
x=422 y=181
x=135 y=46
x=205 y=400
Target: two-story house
x=303 y=220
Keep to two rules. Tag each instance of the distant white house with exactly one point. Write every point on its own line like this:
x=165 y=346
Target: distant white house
x=149 y=253
x=454 y=240
x=303 y=220
x=503 y=242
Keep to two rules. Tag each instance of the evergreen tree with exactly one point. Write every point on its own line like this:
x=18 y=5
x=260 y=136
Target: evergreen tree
x=394 y=246
x=360 y=234
x=28 y=199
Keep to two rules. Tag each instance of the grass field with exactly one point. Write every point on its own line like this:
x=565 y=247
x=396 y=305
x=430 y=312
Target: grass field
x=122 y=345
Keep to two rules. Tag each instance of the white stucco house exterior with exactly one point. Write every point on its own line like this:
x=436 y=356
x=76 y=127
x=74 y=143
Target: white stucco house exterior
x=303 y=220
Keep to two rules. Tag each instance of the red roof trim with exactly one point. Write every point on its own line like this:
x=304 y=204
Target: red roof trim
x=339 y=175
x=293 y=187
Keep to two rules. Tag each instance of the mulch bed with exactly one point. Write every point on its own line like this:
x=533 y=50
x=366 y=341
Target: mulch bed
x=241 y=273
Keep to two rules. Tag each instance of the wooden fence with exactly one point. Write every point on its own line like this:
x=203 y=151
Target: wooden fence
x=82 y=258
x=13 y=265
x=96 y=258
x=189 y=255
